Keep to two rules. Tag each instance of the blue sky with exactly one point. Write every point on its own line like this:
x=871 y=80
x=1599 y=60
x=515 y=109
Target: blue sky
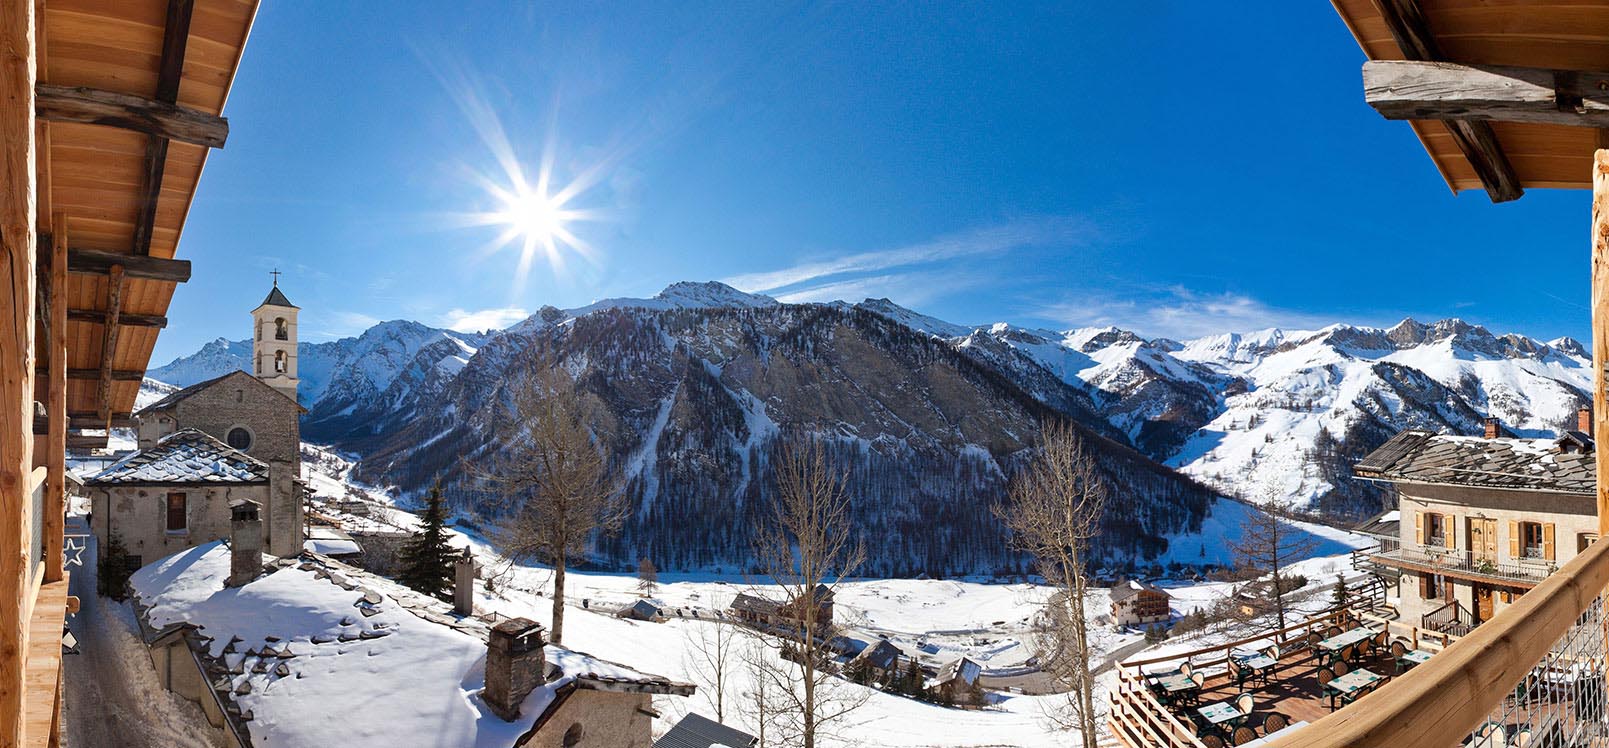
x=1173 y=167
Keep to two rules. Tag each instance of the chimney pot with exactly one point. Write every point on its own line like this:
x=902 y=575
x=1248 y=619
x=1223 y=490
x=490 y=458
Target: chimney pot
x=515 y=665
x=1583 y=419
x=1491 y=427
x=464 y=584
x=245 y=542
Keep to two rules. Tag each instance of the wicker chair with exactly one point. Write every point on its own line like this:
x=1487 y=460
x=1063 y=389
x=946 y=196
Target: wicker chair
x=1213 y=741
x=1275 y=722
x=1332 y=631
x=1244 y=703
x=1341 y=668
x=1242 y=735
x=1325 y=675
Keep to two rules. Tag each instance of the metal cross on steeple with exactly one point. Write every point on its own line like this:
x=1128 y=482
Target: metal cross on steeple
x=275 y=273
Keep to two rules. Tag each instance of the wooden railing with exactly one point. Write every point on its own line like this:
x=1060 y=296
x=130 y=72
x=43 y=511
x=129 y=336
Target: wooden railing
x=1441 y=702
x=1139 y=720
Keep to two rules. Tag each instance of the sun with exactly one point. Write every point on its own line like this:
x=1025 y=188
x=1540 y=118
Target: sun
x=532 y=215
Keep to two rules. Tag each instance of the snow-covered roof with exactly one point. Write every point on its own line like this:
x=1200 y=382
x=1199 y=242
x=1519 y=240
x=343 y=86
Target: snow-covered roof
x=1527 y=464
x=883 y=655
x=317 y=652
x=331 y=541
x=184 y=457
x=962 y=669
x=698 y=731
x=1132 y=588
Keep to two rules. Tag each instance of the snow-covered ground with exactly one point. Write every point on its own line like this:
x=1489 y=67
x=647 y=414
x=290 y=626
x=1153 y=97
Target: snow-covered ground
x=937 y=620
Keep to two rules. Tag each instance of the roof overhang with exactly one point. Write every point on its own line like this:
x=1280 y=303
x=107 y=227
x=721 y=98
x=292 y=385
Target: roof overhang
x=130 y=99
x=1535 y=124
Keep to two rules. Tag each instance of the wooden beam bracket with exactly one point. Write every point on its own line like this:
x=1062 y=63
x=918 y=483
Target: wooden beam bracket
x=114 y=109
x=97 y=262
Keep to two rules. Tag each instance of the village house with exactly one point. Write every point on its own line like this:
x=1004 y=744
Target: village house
x=1482 y=519
x=957 y=683
x=642 y=610
x=1140 y=603
x=882 y=662
x=765 y=613
x=173 y=492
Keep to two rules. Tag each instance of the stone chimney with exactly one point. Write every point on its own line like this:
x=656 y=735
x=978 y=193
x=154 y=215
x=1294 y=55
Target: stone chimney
x=1491 y=427
x=1583 y=419
x=245 y=542
x=515 y=665
x=464 y=584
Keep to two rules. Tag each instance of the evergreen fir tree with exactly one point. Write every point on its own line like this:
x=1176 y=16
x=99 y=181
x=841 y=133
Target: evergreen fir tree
x=1338 y=595
x=113 y=569
x=427 y=559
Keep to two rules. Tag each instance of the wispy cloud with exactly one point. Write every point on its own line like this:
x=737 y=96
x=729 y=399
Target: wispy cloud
x=906 y=289
x=483 y=319
x=804 y=280
x=1177 y=312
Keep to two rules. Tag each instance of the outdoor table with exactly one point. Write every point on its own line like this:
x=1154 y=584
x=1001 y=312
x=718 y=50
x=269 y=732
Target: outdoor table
x=1260 y=664
x=1352 y=685
x=1219 y=713
x=1175 y=686
x=1335 y=644
x=1411 y=658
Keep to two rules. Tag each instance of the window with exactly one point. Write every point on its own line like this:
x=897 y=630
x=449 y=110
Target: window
x=240 y=396
x=1584 y=540
x=279 y=362
x=177 y=521
x=1437 y=527
x=239 y=438
x=1531 y=545
x=1433 y=587
x=281 y=329
x=572 y=736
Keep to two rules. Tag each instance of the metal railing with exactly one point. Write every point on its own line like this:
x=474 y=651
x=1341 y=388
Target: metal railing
x=1439 y=559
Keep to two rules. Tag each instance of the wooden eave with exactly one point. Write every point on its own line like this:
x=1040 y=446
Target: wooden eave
x=95 y=175
x=1552 y=34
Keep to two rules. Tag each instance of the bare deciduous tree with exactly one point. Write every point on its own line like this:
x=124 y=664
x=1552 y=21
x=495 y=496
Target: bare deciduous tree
x=1054 y=511
x=711 y=656
x=806 y=548
x=647 y=576
x=1266 y=546
x=556 y=484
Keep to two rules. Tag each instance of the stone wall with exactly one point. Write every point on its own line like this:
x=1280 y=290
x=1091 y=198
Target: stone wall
x=138 y=514
x=617 y=720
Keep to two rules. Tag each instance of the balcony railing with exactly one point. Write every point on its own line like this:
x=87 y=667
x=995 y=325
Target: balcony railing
x=1440 y=559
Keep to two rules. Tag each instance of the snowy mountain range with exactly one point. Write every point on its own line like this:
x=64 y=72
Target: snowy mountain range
x=930 y=415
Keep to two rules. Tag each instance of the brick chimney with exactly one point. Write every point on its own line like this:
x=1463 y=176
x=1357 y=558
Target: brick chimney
x=1583 y=419
x=245 y=542
x=464 y=584
x=515 y=665
x=1491 y=427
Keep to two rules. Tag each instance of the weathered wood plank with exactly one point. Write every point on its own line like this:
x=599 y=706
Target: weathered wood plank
x=113 y=109
x=1475 y=139
x=55 y=520
x=118 y=375
x=96 y=262
x=114 y=306
x=1407 y=89
x=175 y=38
x=18 y=216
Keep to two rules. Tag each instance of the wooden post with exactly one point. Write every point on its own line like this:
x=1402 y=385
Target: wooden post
x=1600 y=329
x=55 y=523
x=18 y=214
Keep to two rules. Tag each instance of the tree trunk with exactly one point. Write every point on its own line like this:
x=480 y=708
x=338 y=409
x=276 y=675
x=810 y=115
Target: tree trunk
x=558 y=599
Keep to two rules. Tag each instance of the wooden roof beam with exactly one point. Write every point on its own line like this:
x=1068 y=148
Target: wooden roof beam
x=118 y=375
x=1407 y=89
x=125 y=319
x=96 y=262
x=1406 y=21
x=156 y=118
x=175 y=38
x=79 y=420
x=114 y=306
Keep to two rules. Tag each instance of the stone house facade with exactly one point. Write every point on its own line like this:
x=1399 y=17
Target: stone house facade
x=1482 y=519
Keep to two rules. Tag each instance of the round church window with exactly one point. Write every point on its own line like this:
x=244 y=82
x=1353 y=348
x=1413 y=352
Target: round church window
x=239 y=438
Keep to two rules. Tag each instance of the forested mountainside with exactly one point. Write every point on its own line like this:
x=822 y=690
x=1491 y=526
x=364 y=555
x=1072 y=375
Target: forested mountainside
x=930 y=416
x=698 y=397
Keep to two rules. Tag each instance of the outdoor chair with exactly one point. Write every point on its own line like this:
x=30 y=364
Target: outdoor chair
x=1272 y=651
x=1332 y=631
x=1399 y=648
x=1201 y=681
x=1242 y=735
x=1244 y=702
x=1325 y=675
x=1275 y=722
x=1213 y=741
x=1184 y=668
x=1341 y=668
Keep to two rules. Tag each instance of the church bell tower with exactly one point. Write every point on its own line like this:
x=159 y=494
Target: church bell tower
x=274 y=343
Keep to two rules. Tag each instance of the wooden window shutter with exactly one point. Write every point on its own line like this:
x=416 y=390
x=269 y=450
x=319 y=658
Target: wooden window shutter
x=1419 y=527
x=1424 y=586
x=1547 y=541
x=1449 y=530
x=1513 y=539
